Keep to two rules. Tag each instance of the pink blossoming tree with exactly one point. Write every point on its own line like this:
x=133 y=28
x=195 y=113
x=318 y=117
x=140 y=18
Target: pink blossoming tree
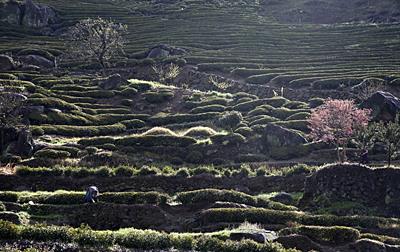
x=336 y=121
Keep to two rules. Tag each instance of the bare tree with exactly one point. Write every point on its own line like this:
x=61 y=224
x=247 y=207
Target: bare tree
x=97 y=39
x=10 y=112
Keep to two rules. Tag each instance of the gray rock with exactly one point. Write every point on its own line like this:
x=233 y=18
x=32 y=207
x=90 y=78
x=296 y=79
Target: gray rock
x=28 y=14
x=163 y=51
x=10 y=12
x=284 y=198
x=112 y=82
x=38 y=16
x=158 y=53
x=260 y=236
x=25 y=144
x=285 y=136
x=37 y=60
x=384 y=105
x=34 y=109
x=6 y=63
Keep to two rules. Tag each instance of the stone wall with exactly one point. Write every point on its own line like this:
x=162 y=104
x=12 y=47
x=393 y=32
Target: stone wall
x=169 y=184
x=379 y=188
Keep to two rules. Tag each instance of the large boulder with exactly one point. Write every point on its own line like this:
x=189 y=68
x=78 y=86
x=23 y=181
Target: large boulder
x=112 y=82
x=284 y=198
x=384 y=105
x=28 y=14
x=10 y=12
x=163 y=51
x=283 y=136
x=25 y=144
x=37 y=60
x=6 y=63
x=38 y=16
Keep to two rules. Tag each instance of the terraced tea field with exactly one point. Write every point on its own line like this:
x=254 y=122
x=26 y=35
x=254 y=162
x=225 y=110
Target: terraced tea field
x=242 y=42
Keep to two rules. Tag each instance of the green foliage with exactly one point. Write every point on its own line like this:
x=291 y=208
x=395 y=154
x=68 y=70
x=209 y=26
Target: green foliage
x=82 y=131
x=159 y=140
x=208 y=108
x=52 y=154
x=213 y=195
x=181 y=118
x=389 y=134
x=229 y=120
x=229 y=139
x=200 y=132
x=336 y=235
x=52 y=103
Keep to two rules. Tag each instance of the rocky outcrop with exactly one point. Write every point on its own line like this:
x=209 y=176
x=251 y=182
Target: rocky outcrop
x=28 y=14
x=384 y=105
x=163 y=51
x=10 y=12
x=6 y=63
x=284 y=198
x=112 y=82
x=375 y=188
x=36 y=60
x=18 y=142
x=283 y=136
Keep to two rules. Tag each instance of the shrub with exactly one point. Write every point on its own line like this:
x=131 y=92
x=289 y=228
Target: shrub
x=133 y=124
x=332 y=235
x=204 y=170
x=299 y=116
x=11 y=217
x=159 y=131
x=6 y=76
x=52 y=103
x=229 y=120
x=9 y=230
x=200 y=132
x=301 y=125
x=161 y=140
x=91 y=150
x=124 y=171
x=9 y=196
x=146 y=171
x=182 y=118
x=208 y=108
x=96 y=141
x=155 y=198
x=24 y=171
x=244 y=131
x=227 y=140
x=183 y=172
x=52 y=154
x=128 y=92
x=83 y=131
x=263 y=120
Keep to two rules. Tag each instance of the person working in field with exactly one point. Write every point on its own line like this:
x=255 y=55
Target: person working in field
x=91 y=194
